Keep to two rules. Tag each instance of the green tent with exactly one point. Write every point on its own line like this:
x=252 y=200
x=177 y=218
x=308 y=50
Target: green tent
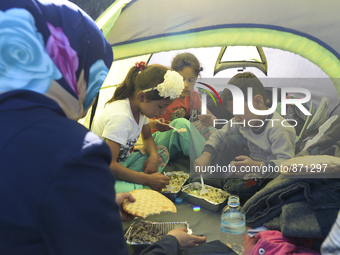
x=293 y=39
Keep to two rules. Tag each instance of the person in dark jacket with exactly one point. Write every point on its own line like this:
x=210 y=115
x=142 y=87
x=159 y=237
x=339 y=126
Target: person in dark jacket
x=57 y=191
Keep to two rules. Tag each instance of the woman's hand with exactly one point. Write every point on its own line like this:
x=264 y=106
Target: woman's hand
x=157 y=181
x=186 y=240
x=120 y=197
x=150 y=165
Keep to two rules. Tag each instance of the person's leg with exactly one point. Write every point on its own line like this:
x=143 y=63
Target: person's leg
x=244 y=187
x=135 y=162
x=234 y=145
x=189 y=143
x=126 y=187
x=205 y=131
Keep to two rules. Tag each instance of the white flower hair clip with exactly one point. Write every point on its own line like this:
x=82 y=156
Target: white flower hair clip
x=172 y=86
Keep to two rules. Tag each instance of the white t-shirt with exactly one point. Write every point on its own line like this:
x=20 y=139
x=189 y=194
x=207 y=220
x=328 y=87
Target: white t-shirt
x=117 y=124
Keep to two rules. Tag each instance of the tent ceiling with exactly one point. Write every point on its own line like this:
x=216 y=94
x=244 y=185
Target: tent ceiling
x=307 y=28
x=303 y=30
x=146 y=19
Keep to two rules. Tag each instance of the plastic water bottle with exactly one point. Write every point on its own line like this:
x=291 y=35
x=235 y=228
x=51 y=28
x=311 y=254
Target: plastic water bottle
x=233 y=225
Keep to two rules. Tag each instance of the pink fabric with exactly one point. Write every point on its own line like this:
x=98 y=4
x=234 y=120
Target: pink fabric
x=273 y=243
x=65 y=58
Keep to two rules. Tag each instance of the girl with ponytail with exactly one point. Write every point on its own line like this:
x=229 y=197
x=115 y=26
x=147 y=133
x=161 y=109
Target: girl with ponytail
x=146 y=92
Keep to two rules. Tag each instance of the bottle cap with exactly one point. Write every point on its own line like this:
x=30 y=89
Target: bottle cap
x=233 y=200
x=178 y=200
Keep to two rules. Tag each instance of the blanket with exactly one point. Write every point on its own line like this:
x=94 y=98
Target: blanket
x=296 y=207
x=328 y=144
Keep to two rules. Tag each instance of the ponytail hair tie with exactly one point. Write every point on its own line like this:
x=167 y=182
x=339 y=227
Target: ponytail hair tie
x=140 y=65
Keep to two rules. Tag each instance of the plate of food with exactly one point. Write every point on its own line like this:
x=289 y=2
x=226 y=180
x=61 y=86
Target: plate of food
x=143 y=233
x=177 y=180
x=214 y=200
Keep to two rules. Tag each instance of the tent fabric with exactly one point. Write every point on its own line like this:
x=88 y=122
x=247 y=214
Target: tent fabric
x=110 y=16
x=303 y=27
x=302 y=46
x=313 y=19
x=298 y=38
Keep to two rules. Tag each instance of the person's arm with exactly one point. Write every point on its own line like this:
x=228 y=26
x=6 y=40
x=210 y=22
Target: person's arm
x=152 y=123
x=166 y=246
x=176 y=239
x=115 y=134
x=121 y=172
x=218 y=137
x=207 y=119
x=209 y=149
x=245 y=161
x=159 y=124
x=156 y=181
x=282 y=145
x=202 y=161
x=186 y=240
x=151 y=164
x=195 y=101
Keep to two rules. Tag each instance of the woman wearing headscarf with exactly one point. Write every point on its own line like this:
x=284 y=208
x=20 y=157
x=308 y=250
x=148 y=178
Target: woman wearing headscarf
x=56 y=189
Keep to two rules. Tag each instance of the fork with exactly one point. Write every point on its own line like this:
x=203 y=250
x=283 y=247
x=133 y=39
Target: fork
x=182 y=130
x=203 y=189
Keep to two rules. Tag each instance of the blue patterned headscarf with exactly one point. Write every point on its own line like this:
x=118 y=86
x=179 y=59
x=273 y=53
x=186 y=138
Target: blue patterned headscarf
x=52 y=48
